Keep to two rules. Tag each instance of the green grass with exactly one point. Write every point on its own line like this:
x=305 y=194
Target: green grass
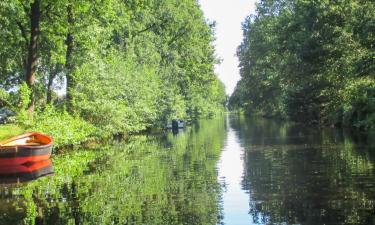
x=10 y=130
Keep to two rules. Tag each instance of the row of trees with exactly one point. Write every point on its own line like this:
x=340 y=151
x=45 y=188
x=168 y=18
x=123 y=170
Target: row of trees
x=125 y=65
x=311 y=61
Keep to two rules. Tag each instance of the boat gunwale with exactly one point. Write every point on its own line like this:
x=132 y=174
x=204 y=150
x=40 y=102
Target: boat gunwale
x=31 y=147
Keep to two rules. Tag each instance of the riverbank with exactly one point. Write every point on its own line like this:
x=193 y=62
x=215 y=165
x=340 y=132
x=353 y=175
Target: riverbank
x=71 y=132
x=65 y=129
x=10 y=130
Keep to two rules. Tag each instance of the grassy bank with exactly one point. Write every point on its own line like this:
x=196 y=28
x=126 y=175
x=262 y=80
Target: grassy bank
x=10 y=130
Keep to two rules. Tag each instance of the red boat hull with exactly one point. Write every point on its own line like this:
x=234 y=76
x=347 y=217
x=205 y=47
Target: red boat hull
x=23 y=160
x=28 y=152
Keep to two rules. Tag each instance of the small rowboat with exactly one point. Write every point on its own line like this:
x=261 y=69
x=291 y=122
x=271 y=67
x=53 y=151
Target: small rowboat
x=26 y=172
x=31 y=147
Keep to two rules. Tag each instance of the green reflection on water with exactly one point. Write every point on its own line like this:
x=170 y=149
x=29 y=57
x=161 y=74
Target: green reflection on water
x=162 y=179
x=305 y=175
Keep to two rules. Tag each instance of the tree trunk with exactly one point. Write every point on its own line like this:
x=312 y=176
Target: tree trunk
x=32 y=59
x=69 y=61
x=53 y=73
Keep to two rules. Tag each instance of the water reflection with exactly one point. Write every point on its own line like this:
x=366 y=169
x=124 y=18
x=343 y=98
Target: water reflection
x=14 y=174
x=302 y=175
x=235 y=200
x=249 y=171
x=163 y=179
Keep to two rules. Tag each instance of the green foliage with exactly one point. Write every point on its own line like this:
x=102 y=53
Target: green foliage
x=4 y=98
x=127 y=65
x=297 y=57
x=10 y=130
x=116 y=96
x=24 y=94
x=23 y=116
x=359 y=103
x=63 y=127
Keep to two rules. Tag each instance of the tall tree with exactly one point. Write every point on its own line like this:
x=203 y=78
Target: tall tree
x=32 y=58
x=69 y=52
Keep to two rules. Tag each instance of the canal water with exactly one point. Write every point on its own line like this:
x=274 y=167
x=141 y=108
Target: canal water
x=231 y=170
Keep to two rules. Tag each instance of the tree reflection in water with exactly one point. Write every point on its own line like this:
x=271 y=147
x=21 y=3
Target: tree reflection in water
x=156 y=179
x=292 y=175
x=304 y=175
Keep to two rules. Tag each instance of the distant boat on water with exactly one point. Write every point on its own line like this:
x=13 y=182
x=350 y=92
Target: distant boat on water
x=176 y=124
x=27 y=148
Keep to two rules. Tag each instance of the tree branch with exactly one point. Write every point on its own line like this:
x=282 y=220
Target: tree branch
x=25 y=9
x=180 y=33
x=153 y=25
x=146 y=29
x=46 y=9
x=23 y=32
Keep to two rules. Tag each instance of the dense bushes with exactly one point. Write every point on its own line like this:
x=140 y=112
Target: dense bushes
x=310 y=61
x=63 y=127
x=117 y=96
x=359 y=103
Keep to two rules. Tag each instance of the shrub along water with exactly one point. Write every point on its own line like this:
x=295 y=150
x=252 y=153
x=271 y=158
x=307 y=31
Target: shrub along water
x=126 y=65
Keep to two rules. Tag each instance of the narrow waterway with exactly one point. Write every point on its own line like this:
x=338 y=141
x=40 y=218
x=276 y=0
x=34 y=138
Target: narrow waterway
x=232 y=170
x=231 y=174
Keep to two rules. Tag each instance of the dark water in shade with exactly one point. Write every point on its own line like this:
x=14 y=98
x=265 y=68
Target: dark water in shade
x=231 y=170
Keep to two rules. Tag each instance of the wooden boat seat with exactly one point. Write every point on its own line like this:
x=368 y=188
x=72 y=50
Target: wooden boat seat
x=33 y=140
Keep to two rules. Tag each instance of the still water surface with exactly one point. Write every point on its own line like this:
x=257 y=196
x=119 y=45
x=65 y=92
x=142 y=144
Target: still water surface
x=231 y=170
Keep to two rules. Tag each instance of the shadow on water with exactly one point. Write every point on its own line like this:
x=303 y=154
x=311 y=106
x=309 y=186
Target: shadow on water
x=304 y=175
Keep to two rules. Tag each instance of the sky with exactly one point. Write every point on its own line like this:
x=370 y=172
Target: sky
x=229 y=15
